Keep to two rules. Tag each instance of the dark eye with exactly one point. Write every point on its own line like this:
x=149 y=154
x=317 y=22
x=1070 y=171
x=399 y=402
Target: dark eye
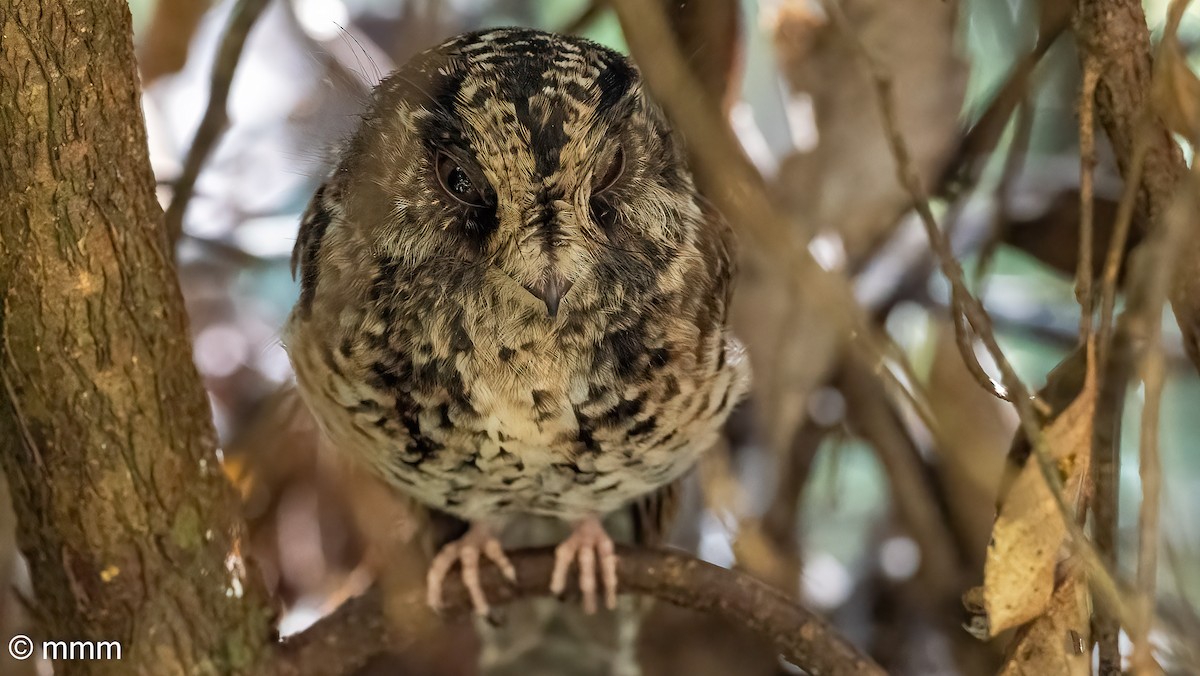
x=603 y=214
x=610 y=174
x=603 y=211
x=457 y=182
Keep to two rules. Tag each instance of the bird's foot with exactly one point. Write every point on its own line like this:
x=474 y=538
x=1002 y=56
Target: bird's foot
x=479 y=539
x=588 y=544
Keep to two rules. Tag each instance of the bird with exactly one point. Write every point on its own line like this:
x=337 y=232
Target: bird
x=514 y=301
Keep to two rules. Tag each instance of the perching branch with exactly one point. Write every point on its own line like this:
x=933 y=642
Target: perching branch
x=216 y=116
x=355 y=632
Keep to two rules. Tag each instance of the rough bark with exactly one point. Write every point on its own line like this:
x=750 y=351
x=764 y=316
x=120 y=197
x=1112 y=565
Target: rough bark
x=1114 y=33
x=129 y=526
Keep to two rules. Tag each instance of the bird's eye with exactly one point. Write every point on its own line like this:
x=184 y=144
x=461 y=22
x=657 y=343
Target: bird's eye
x=610 y=173
x=603 y=214
x=457 y=182
x=603 y=211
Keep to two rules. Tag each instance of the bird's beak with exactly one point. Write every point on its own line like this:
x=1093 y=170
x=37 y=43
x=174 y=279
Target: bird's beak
x=550 y=291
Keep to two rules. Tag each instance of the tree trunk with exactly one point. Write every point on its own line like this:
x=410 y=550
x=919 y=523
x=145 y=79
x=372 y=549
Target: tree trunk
x=129 y=526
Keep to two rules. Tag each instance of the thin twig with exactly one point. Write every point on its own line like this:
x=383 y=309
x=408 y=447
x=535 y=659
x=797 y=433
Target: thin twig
x=216 y=117
x=1087 y=195
x=1150 y=472
x=1106 y=431
x=970 y=307
x=1142 y=325
x=906 y=385
x=1118 y=352
x=1113 y=378
x=1014 y=163
x=1114 y=32
x=963 y=301
x=964 y=339
x=738 y=190
x=780 y=520
x=983 y=137
x=874 y=418
x=1120 y=235
x=357 y=631
x=1148 y=291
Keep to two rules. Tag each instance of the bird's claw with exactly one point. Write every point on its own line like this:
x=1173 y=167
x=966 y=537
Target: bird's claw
x=588 y=544
x=466 y=551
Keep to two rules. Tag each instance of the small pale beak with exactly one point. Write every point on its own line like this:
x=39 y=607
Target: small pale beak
x=550 y=292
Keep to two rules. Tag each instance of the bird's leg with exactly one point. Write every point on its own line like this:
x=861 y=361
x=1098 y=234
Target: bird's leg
x=466 y=550
x=588 y=544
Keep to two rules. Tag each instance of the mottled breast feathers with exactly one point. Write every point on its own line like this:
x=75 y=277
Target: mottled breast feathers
x=512 y=298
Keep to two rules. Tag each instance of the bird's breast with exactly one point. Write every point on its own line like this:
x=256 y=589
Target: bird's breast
x=479 y=418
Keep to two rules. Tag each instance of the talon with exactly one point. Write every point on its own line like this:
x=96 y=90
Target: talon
x=588 y=544
x=466 y=552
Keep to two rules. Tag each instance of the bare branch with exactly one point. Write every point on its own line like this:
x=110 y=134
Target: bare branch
x=356 y=631
x=1116 y=247
x=1087 y=195
x=216 y=116
x=873 y=417
x=1113 y=373
x=1148 y=289
x=1014 y=163
x=1150 y=471
x=964 y=302
x=986 y=133
x=1106 y=430
x=1115 y=34
x=969 y=306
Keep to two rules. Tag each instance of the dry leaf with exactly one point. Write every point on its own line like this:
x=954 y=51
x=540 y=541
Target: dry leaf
x=1175 y=91
x=1018 y=577
x=1057 y=642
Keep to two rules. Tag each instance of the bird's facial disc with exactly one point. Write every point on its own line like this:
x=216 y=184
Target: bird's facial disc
x=535 y=156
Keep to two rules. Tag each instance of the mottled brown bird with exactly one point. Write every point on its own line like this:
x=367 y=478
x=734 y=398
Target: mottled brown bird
x=514 y=302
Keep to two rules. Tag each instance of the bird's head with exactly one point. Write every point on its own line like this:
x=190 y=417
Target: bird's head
x=533 y=164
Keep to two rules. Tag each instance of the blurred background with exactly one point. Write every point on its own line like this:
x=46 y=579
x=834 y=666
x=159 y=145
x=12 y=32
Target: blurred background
x=832 y=490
